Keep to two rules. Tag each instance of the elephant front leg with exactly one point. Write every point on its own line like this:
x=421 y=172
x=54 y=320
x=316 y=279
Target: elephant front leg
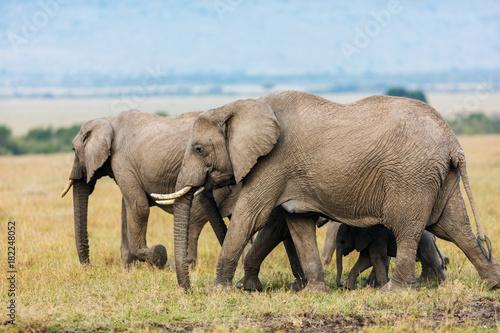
x=267 y=239
x=379 y=259
x=244 y=223
x=137 y=209
x=127 y=258
x=303 y=232
x=359 y=267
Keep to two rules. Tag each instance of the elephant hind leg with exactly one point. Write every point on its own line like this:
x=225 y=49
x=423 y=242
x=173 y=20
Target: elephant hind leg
x=407 y=220
x=137 y=212
x=454 y=226
x=303 y=232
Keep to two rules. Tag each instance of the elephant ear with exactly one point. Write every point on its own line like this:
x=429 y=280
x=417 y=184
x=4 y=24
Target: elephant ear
x=363 y=238
x=252 y=130
x=92 y=147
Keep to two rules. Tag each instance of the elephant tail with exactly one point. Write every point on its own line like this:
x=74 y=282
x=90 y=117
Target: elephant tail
x=458 y=161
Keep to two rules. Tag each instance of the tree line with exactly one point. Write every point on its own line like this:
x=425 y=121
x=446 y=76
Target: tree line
x=47 y=140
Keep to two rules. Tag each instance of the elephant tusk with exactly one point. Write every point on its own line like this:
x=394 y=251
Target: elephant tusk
x=66 y=189
x=175 y=195
x=198 y=192
x=165 y=202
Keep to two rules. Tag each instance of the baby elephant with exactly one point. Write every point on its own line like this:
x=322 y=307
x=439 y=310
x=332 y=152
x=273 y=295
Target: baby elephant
x=376 y=245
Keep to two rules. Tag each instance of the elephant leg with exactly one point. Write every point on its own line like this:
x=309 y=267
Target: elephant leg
x=454 y=226
x=359 y=267
x=300 y=278
x=329 y=249
x=127 y=258
x=427 y=252
x=372 y=278
x=404 y=271
x=244 y=223
x=137 y=211
x=267 y=239
x=378 y=257
x=303 y=232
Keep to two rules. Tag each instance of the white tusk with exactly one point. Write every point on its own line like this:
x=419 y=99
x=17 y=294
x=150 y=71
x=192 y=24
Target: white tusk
x=175 y=195
x=198 y=192
x=66 y=189
x=165 y=202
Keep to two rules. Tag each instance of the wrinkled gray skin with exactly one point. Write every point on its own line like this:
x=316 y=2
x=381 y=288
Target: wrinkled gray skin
x=143 y=153
x=375 y=246
x=381 y=160
x=269 y=237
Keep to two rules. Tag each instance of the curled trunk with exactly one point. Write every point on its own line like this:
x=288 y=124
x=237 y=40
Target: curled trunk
x=81 y=192
x=182 y=210
x=214 y=217
x=339 y=267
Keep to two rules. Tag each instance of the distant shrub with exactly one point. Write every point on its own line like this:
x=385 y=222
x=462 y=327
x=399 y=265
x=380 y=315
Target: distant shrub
x=401 y=92
x=474 y=123
x=38 y=140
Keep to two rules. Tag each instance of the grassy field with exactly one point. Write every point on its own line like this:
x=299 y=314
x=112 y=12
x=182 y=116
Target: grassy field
x=54 y=292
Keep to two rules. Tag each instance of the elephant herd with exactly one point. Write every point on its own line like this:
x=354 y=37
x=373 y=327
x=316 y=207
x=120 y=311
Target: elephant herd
x=385 y=170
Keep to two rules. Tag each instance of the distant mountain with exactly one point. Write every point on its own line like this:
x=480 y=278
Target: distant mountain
x=216 y=42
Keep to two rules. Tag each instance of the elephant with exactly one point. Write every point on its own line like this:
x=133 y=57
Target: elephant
x=143 y=153
x=383 y=160
x=375 y=246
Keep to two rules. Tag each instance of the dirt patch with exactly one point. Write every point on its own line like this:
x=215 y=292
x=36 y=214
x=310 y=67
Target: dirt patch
x=480 y=313
x=484 y=313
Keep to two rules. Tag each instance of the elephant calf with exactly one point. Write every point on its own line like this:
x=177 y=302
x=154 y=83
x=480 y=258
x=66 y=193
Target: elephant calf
x=376 y=245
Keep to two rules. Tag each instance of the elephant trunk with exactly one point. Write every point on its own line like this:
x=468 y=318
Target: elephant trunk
x=81 y=192
x=214 y=217
x=182 y=211
x=339 y=267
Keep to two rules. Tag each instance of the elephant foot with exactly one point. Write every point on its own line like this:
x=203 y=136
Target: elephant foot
x=316 y=287
x=348 y=285
x=492 y=284
x=157 y=256
x=299 y=284
x=249 y=283
x=393 y=286
x=431 y=276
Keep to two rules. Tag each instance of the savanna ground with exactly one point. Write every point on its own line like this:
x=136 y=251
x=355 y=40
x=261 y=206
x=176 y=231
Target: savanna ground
x=55 y=293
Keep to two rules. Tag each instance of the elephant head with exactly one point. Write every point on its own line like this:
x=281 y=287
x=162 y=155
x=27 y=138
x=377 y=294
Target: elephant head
x=224 y=146
x=92 y=147
x=350 y=238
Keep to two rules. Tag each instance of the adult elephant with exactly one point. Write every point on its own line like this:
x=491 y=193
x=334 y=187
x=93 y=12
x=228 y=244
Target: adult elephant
x=143 y=154
x=382 y=160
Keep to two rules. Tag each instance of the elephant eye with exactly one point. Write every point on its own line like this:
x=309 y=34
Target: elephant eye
x=199 y=149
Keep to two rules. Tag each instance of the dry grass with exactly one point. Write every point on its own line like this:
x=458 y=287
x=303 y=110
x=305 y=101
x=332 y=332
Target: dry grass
x=55 y=293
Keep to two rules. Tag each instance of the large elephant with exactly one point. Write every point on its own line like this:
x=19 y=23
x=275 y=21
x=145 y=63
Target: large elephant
x=143 y=154
x=375 y=246
x=381 y=160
